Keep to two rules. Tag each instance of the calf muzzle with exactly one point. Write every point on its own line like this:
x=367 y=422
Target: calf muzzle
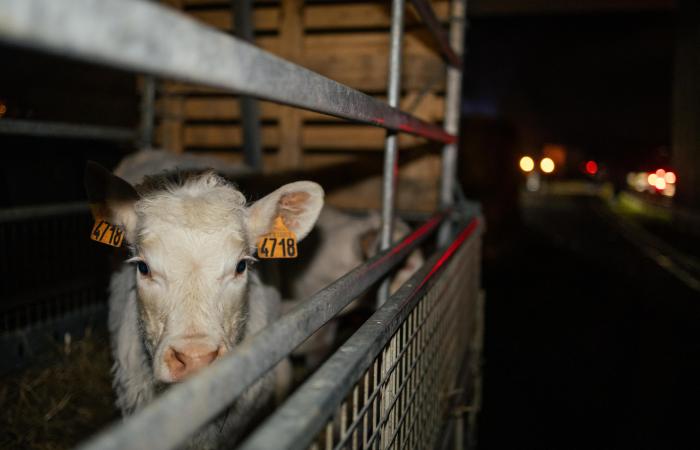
x=185 y=360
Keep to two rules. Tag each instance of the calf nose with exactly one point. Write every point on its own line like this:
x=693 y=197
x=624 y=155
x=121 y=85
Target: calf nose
x=188 y=359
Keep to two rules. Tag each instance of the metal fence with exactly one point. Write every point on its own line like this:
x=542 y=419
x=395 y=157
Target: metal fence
x=53 y=279
x=393 y=384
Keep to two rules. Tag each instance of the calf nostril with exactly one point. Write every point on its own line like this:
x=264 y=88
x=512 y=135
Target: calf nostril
x=210 y=357
x=182 y=359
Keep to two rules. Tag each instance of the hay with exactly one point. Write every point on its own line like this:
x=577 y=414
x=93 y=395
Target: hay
x=62 y=399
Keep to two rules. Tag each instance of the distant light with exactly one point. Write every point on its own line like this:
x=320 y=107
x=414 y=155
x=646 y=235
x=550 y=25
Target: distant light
x=651 y=179
x=3 y=109
x=661 y=173
x=660 y=184
x=640 y=183
x=670 y=178
x=547 y=165
x=527 y=164
x=670 y=190
x=591 y=167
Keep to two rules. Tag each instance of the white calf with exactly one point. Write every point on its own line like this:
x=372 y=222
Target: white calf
x=185 y=296
x=341 y=241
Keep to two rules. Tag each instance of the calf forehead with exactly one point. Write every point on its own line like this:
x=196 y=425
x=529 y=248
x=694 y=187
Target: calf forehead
x=205 y=202
x=183 y=244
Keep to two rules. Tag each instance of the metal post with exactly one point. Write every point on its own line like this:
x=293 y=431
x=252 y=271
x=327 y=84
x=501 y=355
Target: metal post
x=250 y=110
x=148 y=99
x=452 y=107
x=391 y=144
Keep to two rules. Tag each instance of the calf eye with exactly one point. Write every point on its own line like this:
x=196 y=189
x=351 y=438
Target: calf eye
x=240 y=267
x=143 y=268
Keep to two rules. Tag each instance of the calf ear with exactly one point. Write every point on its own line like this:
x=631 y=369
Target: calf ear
x=298 y=204
x=111 y=198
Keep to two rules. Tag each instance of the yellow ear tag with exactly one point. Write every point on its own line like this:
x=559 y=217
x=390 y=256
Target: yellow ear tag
x=278 y=243
x=106 y=233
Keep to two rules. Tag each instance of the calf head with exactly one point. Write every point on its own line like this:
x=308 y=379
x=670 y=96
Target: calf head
x=191 y=238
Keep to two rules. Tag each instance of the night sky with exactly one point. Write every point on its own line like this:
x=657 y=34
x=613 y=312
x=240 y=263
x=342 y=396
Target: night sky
x=598 y=83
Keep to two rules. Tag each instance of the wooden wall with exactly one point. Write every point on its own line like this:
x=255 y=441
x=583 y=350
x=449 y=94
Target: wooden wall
x=348 y=42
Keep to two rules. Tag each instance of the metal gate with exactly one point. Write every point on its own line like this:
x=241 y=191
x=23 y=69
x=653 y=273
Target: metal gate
x=413 y=366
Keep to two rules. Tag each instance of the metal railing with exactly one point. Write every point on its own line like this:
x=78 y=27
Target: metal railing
x=176 y=411
x=65 y=130
x=390 y=384
x=401 y=386
x=148 y=38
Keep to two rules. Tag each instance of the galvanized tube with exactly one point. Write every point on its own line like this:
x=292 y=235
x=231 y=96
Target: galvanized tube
x=148 y=106
x=391 y=145
x=65 y=130
x=295 y=424
x=179 y=412
x=42 y=211
x=452 y=108
x=426 y=12
x=149 y=38
x=250 y=110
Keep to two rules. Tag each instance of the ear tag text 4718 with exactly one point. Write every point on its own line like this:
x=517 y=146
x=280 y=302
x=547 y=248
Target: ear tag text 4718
x=107 y=233
x=278 y=243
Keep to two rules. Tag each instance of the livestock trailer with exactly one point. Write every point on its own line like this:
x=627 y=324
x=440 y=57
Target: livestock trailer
x=284 y=94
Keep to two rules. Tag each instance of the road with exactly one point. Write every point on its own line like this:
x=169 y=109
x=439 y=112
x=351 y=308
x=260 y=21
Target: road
x=591 y=343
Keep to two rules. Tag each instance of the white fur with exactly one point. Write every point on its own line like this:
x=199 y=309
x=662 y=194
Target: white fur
x=337 y=251
x=192 y=235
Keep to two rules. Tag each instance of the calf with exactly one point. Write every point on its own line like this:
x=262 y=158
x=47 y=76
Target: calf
x=186 y=295
x=340 y=242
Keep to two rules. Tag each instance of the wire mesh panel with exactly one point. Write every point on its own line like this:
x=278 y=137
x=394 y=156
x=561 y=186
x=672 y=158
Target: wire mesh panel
x=49 y=265
x=393 y=384
x=53 y=277
x=402 y=400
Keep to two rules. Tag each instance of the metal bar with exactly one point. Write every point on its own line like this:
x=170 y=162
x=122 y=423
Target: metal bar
x=391 y=145
x=149 y=38
x=148 y=106
x=295 y=424
x=42 y=211
x=426 y=12
x=452 y=108
x=65 y=130
x=170 y=419
x=250 y=110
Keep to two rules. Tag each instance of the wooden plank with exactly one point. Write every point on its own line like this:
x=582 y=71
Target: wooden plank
x=414 y=193
x=314 y=137
x=311 y=161
x=266 y=19
x=225 y=136
x=170 y=132
x=362 y=15
x=290 y=153
x=351 y=137
x=319 y=17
